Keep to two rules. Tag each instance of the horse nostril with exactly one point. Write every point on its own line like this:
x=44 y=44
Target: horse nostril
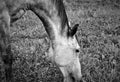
x=77 y=50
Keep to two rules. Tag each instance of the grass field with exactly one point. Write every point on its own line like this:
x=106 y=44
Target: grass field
x=99 y=39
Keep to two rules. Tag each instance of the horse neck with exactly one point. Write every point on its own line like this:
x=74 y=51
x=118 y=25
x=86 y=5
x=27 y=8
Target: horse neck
x=54 y=18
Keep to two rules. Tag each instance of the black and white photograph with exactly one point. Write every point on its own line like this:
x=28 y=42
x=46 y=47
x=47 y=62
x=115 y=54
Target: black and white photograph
x=59 y=40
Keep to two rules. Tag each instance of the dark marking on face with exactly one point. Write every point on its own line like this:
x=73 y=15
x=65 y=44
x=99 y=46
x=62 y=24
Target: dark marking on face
x=77 y=50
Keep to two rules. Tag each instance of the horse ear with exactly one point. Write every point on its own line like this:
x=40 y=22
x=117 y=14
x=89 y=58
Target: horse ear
x=73 y=30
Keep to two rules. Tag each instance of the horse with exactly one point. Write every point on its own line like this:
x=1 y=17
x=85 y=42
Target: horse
x=64 y=47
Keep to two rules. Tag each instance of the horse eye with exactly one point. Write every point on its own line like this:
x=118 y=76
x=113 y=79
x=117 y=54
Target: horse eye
x=77 y=50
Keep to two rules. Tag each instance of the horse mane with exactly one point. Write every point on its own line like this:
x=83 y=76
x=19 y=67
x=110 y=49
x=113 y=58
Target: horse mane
x=62 y=14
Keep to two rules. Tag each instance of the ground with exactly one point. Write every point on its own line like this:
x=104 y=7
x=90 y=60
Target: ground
x=98 y=35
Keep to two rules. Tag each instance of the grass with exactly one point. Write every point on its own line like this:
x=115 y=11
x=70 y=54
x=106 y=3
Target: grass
x=98 y=35
x=98 y=38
